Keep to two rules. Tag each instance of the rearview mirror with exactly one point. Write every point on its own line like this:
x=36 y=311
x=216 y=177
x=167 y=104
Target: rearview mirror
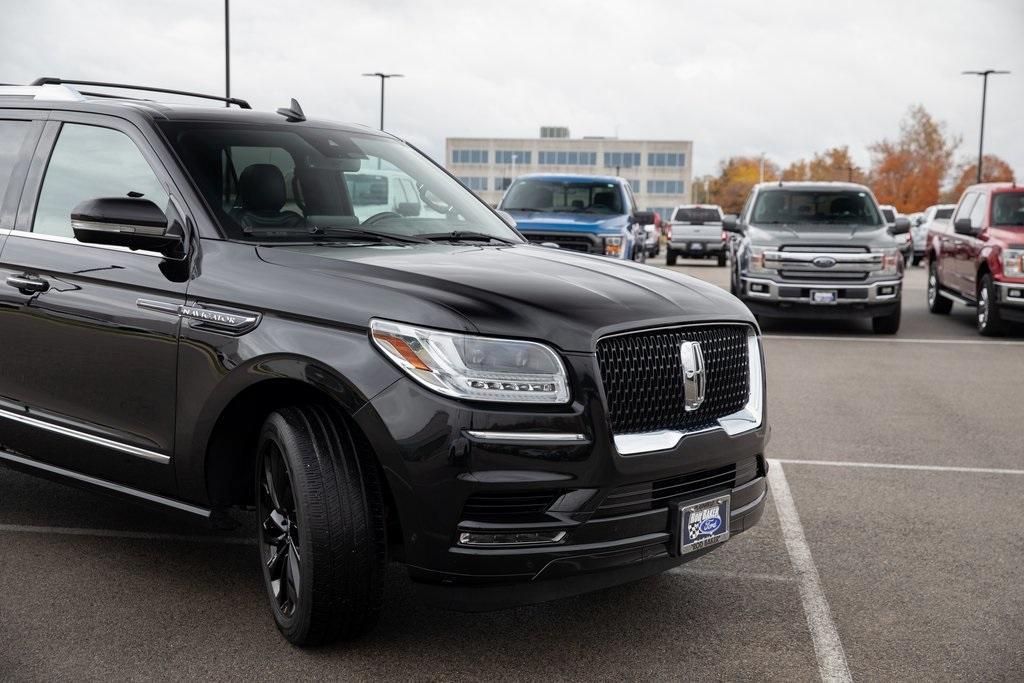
x=408 y=209
x=643 y=217
x=130 y=222
x=963 y=226
x=731 y=223
x=901 y=226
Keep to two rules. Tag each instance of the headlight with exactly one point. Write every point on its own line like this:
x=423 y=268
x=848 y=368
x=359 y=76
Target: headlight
x=476 y=368
x=890 y=261
x=1013 y=262
x=612 y=246
x=755 y=264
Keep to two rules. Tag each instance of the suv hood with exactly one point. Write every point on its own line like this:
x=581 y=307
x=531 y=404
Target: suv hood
x=772 y=235
x=569 y=222
x=564 y=298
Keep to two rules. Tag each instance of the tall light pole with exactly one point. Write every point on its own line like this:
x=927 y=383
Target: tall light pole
x=383 y=77
x=984 y=93
x=227 y=51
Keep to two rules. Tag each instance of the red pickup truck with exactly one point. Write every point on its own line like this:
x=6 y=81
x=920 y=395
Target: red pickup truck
x=977 y=258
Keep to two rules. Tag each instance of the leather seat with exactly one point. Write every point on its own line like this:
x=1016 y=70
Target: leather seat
x=604 y=199
x=261 y=194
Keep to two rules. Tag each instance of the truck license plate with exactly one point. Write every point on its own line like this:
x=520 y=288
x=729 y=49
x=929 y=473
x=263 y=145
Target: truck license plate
x=823 y=296
x=704 y=524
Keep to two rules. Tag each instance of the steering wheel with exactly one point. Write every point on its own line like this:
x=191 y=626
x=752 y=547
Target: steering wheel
x=380 y=216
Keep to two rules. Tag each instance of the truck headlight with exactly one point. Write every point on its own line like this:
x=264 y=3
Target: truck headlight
x=755 y=264
x=612 y=246
x=475 y=368
x=1013 y=262
x=891 y=259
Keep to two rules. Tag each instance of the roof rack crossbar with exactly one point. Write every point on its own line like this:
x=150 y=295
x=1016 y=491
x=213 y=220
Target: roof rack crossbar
x=48 y=80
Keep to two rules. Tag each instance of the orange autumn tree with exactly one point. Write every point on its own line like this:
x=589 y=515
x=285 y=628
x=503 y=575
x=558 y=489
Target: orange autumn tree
x=832 y=164
x=993 y=170
x=908 y=172
x=736 y=175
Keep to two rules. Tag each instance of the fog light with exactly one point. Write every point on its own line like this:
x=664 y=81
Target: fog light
x=887 y=291
x=758 y=287
x=1016 y=294
x=511 y=538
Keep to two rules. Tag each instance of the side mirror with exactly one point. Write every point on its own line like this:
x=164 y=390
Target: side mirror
x=901 y=226
x=731 y=223
x=408 y=209
x=130 y=222
x=643 y=217
x=507 y=217
x=963 y=226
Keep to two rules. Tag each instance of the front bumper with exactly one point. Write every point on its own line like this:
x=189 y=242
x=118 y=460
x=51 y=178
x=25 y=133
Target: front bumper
x=443 y=462
x=1011 y=300
x=769 y=297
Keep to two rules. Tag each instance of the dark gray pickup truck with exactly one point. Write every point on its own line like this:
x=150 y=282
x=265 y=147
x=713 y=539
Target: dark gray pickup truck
x=818 y=249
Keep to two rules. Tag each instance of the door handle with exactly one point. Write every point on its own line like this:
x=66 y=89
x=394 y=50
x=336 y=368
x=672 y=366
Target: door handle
x=28 y=284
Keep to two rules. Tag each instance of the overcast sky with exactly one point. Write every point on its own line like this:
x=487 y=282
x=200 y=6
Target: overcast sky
x=781 y=77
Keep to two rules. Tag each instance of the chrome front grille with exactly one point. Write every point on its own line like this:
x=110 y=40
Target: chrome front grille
x=643 y=377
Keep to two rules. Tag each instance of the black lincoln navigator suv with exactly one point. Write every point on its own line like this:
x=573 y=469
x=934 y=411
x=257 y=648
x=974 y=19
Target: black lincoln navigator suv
x=209 y=307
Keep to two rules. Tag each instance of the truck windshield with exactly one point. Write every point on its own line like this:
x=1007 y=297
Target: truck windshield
x=287 y=183
x=943 y=214
x=1008 y=208
x=795 y=207
x=697 y=216
x=536 y=194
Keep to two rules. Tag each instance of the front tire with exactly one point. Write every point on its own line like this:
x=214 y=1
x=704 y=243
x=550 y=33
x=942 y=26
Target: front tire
x=321 y=527
x=990 y=322
x=887 y=324
x=937 y=303
x=670 y=257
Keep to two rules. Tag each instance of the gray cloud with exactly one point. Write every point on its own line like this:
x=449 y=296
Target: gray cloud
x=786 y=78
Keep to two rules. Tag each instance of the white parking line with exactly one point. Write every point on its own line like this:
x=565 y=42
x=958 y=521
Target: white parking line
x=895 y=340
x=894 y=466
x=827 y=646
x=114 y=533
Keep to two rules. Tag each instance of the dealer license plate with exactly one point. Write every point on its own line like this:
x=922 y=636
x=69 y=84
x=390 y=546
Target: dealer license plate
x=823 y=296
x=704 y=524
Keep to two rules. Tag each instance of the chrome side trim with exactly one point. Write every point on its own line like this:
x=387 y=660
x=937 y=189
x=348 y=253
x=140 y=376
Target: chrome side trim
x=143 y=453
x=159 y=306
x=746 y=419
x=24 y=234
x=109 y=485
x=229 y=321
x=117 y=228
x=532 y=437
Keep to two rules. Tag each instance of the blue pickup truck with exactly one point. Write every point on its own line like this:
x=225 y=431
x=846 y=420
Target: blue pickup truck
x=591 y=214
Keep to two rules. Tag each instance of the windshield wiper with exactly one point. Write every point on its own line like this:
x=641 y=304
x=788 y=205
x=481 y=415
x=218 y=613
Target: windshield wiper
x=363 y=232
x=525 y=208
x=467 y=236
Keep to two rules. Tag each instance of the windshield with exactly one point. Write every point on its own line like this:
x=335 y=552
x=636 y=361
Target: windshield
x=889 y=215
x=943 y=214
x=286 y=183
x=1008 y=208
x=848 y=207
x=546 y=194
x=696 y=216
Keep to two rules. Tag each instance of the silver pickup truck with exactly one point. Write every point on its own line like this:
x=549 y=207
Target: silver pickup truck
x=695 y=231
x=816 y=250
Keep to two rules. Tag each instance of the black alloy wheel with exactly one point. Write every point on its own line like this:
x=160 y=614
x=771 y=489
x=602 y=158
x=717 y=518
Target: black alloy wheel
x=279 y=532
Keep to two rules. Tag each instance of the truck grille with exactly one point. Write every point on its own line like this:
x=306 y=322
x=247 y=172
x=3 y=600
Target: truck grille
x=643 y=383
x=584 y=243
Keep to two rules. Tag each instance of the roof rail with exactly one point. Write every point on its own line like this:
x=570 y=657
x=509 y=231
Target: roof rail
x=58 y=93
x=48 y=80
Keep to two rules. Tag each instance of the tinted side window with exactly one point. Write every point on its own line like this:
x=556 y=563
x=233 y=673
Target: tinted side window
x=978 y=212
x=12 y=136
x=89 y=162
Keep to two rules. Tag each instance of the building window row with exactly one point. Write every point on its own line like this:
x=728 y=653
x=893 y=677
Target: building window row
x=504 y=156
x=501 y=184
x=469 y=156
x=621 y=159
x=475 y=183
x=566 y=158
x=634 y=183
x=664 y=187
x=666 y=159
x=665 y=212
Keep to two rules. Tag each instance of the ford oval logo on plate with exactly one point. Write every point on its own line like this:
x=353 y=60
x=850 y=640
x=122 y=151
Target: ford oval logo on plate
x=824 y=261
x=710 y=526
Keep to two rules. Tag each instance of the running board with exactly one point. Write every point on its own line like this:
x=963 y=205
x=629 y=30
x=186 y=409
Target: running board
x=957 y=298
x=110 y=486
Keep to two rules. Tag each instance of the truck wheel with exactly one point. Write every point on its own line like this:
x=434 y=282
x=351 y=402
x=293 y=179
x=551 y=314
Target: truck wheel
x=887 y=324
x=936 y=302
x=670 y=257
x=990 y=322
x=721 y=259
x=320 y=523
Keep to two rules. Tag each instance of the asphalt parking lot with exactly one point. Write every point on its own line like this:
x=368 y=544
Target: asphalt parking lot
x=892 y=550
